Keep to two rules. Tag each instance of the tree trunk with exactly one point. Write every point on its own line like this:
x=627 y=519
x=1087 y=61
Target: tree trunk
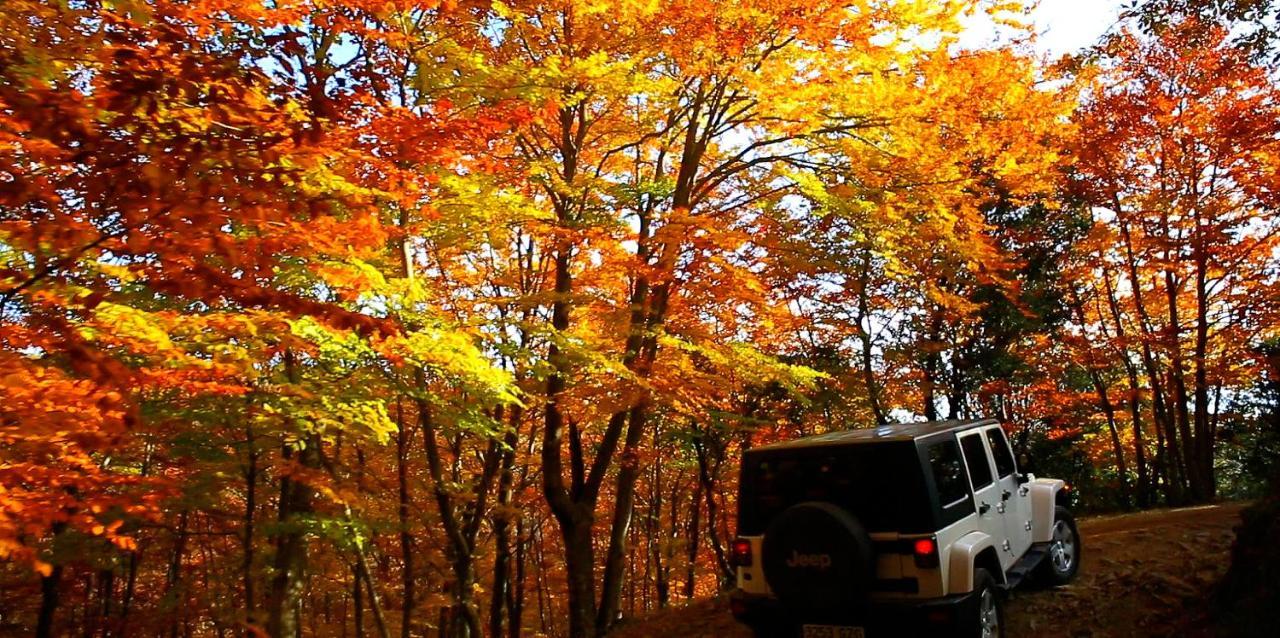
x=406 y=538
x=463 y=593
x=250 y=510
x=706 y=479
x=540 y=582
x=957 y=397
x=130 y=586
x=654 y=497
x=296 y=504
x=667 y=549
x=173 y=578
x=615 y=559
x=662 y=589
x=580 y=569
x=362 y=574
x=107 y=592
x=1117 y=450
x=575 y=516
x=1134 y=394
x=693 y=538
x=1161 y=479
x=864 y=335
x=461 y=527
x=49 y=599
x=515 y=603
x=1161 y=415
x=1108 y=409
x=1203 y=430
x=357 y=598
x=500 y=592
x=932 y=366
x=1177 y=373
x=135 y=557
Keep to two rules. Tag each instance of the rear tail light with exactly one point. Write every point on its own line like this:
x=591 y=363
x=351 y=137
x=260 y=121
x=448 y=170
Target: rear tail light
x=925 y=551
x=741 y=553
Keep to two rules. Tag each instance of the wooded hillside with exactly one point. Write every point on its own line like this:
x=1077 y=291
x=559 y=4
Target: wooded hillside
x=453 y=317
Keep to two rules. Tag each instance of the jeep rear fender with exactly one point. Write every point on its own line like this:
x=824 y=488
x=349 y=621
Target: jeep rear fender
x=1044 y=496
x=973 y=550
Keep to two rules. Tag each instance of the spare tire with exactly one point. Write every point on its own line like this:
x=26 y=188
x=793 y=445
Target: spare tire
x=818 y=556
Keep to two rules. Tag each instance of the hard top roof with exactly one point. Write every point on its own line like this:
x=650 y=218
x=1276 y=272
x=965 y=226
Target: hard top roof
x=881 y=433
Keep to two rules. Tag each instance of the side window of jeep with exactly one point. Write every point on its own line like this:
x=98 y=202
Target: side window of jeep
x=975 y=455
x=1000 y=452
x=950 y=479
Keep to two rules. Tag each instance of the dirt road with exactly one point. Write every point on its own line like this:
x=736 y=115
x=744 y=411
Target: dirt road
x=1142 y=575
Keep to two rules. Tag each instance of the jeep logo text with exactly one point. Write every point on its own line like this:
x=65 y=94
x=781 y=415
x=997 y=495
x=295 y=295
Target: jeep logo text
x=821 y=561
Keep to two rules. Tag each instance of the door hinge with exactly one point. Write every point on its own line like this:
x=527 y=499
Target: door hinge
x=1006 y=545
x=1027 y=526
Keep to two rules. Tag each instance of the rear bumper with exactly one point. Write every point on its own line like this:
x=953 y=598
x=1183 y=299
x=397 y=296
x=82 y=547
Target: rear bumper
x=945 y=616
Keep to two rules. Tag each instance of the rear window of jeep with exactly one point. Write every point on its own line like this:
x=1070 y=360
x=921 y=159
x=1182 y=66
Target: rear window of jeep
x=882 y=484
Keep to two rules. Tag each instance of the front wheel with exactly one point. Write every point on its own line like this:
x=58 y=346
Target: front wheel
x=1063 y=562
x=987 y=619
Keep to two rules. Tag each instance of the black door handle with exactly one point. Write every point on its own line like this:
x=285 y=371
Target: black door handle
x=1004 y=496
x=984 y=508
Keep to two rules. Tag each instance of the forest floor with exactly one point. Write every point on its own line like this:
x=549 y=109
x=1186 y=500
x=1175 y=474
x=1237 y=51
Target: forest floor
x=1143 y=574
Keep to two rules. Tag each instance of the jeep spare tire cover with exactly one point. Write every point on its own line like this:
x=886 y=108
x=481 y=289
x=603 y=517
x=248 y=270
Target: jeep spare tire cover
x=817 y=555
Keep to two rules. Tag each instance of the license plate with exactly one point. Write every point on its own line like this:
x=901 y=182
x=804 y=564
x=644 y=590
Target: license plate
x=831 y=631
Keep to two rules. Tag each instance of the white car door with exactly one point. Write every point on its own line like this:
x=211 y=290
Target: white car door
x=986 y=492
x=1014 y=498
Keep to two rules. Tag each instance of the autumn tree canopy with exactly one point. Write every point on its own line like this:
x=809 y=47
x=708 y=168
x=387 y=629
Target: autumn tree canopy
x=453 y=318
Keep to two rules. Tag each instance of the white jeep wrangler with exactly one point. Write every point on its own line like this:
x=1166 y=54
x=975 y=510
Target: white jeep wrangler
x=905 y=529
